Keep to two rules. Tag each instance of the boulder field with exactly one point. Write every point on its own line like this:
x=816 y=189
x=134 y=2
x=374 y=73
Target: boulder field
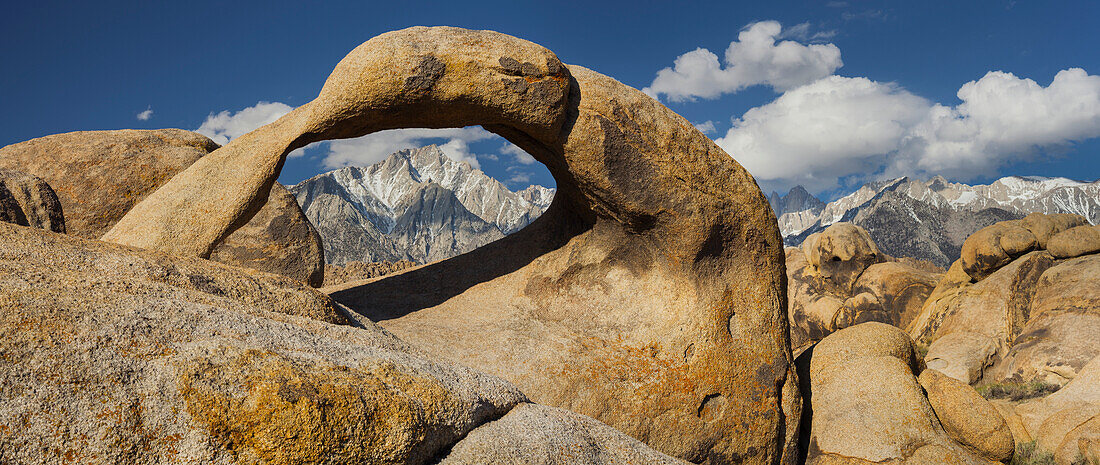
x=838 y=278
x=1020 y=310
x=100 y=175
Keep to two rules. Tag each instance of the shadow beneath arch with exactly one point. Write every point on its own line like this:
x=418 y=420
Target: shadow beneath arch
x=430 y=285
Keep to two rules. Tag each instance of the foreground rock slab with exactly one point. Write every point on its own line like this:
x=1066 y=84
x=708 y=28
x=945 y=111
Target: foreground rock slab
x=649 y=296
x=114 y=355
x=100 y=175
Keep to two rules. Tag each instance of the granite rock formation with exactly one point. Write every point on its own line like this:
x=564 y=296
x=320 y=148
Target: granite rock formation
x=1009 y=310
x=648 y=296
x=110 y=354
x=100 y=175
x=27 y=200
x=868 y=406
x=839 y=278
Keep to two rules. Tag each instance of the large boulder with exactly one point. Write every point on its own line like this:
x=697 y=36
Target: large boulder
x=1045 y=227
x=532 y=434
x=27 y=200
x=967 y=417
x=111 y=354
x=838 y=278
x=868 y=406
x=1063 y=331
x=900 y=288
x=841 y=252
x=1037 y=311
x=1067 y=423
x=100 y=175
x=1074 y=242
x=991 y=313
x=995 y=246
x=650 y=294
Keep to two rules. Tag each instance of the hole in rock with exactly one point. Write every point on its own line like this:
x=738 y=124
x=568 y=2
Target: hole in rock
x=401 y=197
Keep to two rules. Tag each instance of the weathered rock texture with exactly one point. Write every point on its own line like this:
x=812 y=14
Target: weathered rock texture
x=1067 y=423
x=968 y=418
x=869 y=408
x=101 y=175
x=110 y=354
x=838 y=278
x=649 y=295
x=1009 y=310
x=533 y=434
x=358 y=271
x=28 y=201
x=277 y=239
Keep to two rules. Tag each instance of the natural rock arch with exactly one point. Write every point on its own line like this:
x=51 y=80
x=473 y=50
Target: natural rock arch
x=651 y=295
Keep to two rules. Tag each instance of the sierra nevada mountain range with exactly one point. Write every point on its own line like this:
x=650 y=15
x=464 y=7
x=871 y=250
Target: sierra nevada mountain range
x=930 y=219
x=417 y=205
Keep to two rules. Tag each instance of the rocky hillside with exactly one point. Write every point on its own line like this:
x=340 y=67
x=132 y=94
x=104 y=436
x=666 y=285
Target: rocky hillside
x=416 y=205
x=930 y=219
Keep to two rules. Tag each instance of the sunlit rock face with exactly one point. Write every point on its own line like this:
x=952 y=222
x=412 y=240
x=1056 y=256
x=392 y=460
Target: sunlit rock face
x=649 y=295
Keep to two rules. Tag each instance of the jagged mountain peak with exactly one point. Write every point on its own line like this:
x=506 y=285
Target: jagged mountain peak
x=418 y=204
x=929 y=219
x=797 y=199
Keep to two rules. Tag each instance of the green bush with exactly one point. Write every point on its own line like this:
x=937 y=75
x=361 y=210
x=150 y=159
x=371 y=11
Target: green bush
x=1028 y=454
x=1016 y=390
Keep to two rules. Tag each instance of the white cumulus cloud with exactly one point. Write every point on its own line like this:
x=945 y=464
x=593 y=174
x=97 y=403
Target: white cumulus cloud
x=145 y=115
x=755 y=58
x=838 y=127
x=518 y=154
x=225 y=126
x=1003 y=118
x=817 y=133
x=373 y=148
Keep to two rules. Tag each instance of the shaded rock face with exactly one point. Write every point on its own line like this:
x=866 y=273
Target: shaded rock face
x=1062 y=332
x=358 y=271
x=1010 y=311
x=868 y=406
x=277 y=239
x=838 y=278
x=101 y=175
x=28 y=201
x=649 y=295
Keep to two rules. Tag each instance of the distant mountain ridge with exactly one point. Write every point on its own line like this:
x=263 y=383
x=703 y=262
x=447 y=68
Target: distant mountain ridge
x=417 y=205
x=930 y=219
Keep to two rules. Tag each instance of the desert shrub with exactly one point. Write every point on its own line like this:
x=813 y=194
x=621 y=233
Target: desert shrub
x=1017 y=390
x=1028 y=454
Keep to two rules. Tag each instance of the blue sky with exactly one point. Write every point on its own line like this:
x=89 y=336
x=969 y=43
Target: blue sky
x=887 y=103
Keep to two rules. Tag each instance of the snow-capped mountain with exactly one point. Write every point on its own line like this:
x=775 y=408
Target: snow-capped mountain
x=417 y=205
x=930 y=219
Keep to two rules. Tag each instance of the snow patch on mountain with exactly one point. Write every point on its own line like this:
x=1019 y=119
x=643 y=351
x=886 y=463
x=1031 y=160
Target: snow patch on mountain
x=417 y=204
